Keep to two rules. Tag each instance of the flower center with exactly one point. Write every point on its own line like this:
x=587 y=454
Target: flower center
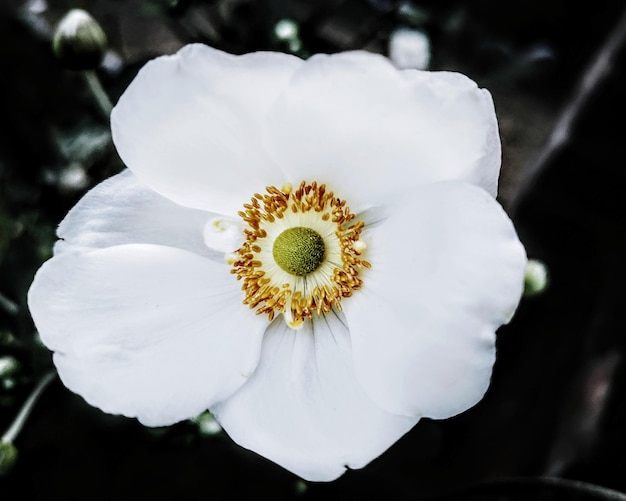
x=299 y=250
x=302 y=253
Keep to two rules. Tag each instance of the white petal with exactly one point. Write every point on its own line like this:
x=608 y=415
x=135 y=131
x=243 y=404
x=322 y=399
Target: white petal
x=189 y=125
x=121 y=211
x=356 y=123
x=447 y=271
x=146 y=331
x=303 y=407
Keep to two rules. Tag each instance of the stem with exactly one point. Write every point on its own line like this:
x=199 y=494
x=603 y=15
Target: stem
x=27 y=408
x=101 y=97
x=7 y=305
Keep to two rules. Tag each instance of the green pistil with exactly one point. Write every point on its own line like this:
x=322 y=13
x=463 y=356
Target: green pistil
x=299 y=250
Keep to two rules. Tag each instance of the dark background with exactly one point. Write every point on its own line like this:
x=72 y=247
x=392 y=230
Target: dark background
x=556 y=407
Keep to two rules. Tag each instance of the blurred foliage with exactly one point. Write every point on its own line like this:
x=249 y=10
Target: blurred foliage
x=556 y=404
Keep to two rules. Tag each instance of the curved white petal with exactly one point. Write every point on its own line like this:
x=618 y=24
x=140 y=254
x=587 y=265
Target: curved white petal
x=121 y=211
x=303 y=407
x=447 y=271
x=146 y=331
x=369 y=131
x=189 y=125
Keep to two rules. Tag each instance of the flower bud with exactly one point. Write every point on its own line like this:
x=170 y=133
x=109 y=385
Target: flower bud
x=409 y=48
x=8 y=366
x=207 y=425
x=8 y=457
x=79 y=41
x=535 y=278
x=287 y=32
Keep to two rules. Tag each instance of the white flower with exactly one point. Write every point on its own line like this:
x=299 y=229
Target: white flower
x=147 y=320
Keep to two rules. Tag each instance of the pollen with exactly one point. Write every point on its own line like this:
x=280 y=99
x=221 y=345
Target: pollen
x=302 y=255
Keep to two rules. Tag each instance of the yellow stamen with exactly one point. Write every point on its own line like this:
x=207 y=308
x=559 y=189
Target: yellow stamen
x=301 y=291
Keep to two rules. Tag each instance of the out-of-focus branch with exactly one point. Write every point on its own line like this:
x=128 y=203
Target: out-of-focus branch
x=10 y=435
x=535 y=488
x=98 y=92
x=597 y=71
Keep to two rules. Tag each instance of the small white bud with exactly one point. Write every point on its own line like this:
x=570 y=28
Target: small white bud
x=409 y=49
x=79 y=41
x=287 y=31
x=73 y=178
x=8 y=366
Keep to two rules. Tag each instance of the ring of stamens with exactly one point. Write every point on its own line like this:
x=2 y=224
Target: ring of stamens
x=268 y=287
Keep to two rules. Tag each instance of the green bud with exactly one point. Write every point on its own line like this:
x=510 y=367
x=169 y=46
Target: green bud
x=535 y=278
x=8 y=457
x=301 y=487
x=79 y=41
x=207 y=425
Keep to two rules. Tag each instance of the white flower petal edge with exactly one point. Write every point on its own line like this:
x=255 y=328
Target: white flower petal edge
x=483 y=157
x=447 y=271
x=303 y=407
x=146 y=331
x=353 y=121
x=121 y=211
x=189 y=125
